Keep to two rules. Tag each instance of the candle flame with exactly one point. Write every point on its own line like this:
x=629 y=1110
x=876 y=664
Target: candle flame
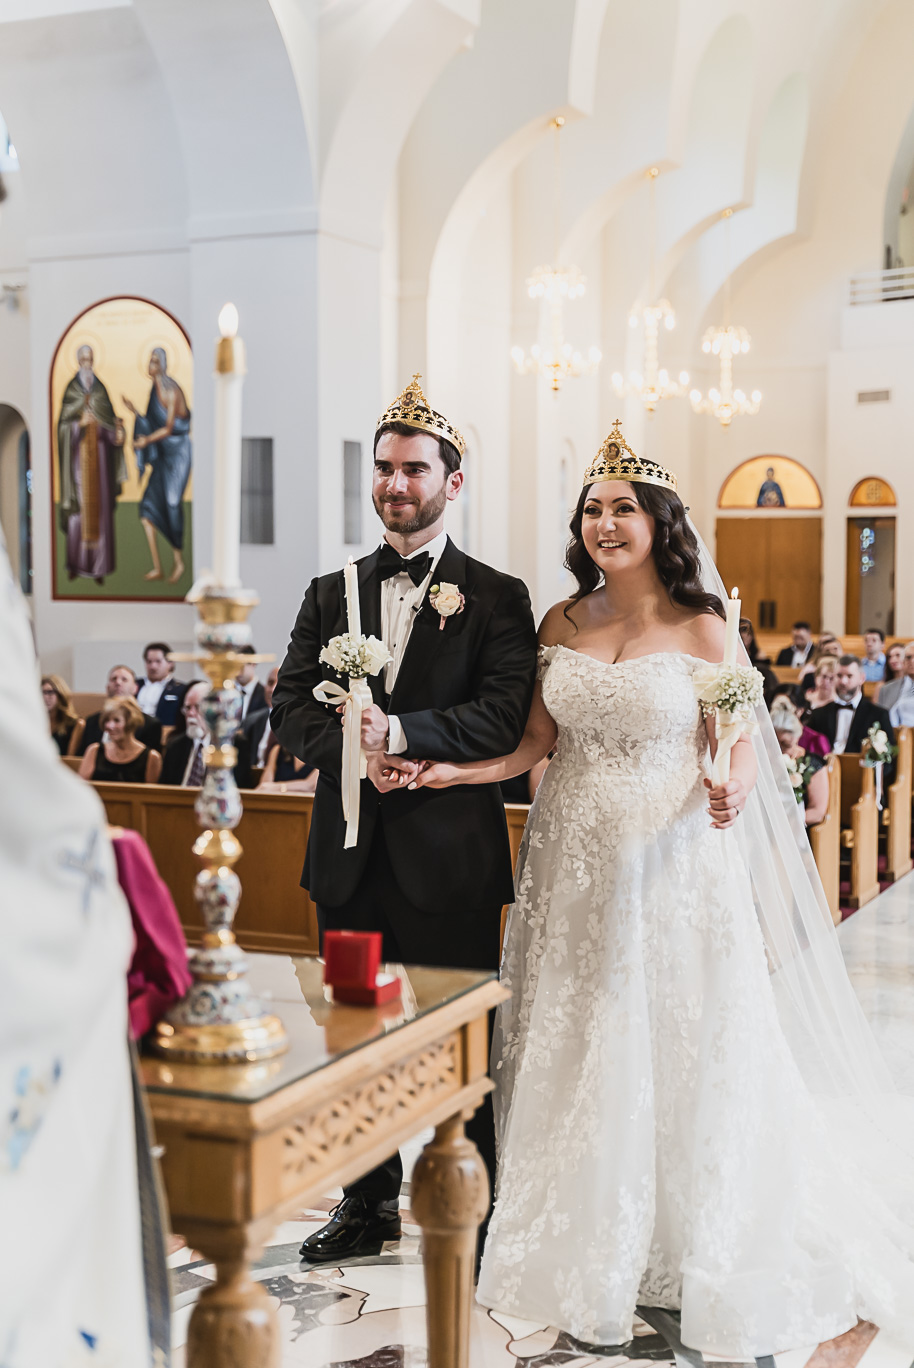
x=228 y=321
x=734 y=592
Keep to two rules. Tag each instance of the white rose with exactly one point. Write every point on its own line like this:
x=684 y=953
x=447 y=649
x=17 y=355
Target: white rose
x=375 y=654
x=796 y=779
x=447 y=599
x=880 y=742
x=332 y=656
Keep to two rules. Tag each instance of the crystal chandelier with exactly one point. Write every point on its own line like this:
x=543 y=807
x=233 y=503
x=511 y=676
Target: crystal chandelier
x=653 y=383
x=725 y=403
x=554 y=286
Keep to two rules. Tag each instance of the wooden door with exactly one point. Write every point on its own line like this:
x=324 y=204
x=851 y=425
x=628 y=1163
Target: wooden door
x=777 y=565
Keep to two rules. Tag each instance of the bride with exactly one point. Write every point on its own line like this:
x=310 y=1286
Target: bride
x=691 y=1111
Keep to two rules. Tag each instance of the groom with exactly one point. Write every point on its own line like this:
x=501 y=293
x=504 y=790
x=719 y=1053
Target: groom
x=432 y=868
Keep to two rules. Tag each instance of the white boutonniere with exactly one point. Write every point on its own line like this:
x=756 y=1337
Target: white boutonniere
x=446 y=599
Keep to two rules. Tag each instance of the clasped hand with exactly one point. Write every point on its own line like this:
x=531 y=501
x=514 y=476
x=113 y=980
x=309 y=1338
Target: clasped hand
x=726 y=802
x=390 y=772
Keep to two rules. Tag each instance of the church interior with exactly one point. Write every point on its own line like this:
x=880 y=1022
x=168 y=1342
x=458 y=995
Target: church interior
x=685 y=216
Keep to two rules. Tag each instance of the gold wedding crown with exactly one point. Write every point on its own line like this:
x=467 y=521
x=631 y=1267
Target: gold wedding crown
x=616 y=461
x=412 y=407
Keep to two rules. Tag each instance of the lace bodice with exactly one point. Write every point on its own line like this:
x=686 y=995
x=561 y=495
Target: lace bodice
x=632 y=729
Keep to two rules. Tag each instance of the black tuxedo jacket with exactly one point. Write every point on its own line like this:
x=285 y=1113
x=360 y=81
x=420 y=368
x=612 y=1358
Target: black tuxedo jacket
x=785 y=656
x=461 y=694
x=247 y=741
x=174 y=761
x=169 y=705
x=825 y=720
x=150 y=734
x=258 y=701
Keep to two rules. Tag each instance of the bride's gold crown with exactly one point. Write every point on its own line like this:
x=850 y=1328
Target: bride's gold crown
x=616 y=461
x=412 y=407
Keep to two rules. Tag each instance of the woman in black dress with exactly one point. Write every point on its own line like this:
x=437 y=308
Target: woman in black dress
x=66 y=725
x=119 y=758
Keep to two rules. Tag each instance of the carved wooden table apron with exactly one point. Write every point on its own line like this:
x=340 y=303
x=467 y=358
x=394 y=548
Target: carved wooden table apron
x=247 y=1145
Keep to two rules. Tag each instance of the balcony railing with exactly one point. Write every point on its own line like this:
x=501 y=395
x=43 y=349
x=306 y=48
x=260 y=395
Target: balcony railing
x=876 y=287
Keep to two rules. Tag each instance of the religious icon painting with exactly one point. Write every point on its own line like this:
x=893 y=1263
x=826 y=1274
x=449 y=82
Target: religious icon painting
x=121 y=394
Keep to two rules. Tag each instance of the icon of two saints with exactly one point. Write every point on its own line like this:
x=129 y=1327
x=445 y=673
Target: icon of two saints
x=93 y=469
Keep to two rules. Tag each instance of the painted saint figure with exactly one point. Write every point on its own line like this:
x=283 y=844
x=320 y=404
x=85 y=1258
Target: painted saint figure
x=161 y=440
x=770 y=494
x=90 y=447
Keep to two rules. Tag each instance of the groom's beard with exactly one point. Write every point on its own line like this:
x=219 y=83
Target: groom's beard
x=407 y=520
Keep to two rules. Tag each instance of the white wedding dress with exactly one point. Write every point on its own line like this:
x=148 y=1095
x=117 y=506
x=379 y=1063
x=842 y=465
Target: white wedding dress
x=657 y=1142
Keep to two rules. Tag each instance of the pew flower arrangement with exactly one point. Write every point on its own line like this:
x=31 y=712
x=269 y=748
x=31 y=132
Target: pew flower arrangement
x=877 y=750
x=799 y=771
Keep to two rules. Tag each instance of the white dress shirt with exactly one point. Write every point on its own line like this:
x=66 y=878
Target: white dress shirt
x=844 y=722
x=800 y=656
x=150 y=693
x=400 y=602
x=199 y=743
x=245 y=691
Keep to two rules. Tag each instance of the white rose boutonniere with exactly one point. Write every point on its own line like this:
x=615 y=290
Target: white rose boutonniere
x=446 y=599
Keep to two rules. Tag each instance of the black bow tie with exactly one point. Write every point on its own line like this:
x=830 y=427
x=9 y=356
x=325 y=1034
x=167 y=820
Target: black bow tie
x=850 y=706
x=390 y=562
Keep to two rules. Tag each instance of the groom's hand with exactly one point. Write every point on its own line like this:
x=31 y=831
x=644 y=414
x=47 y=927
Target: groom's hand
x=375 y=728
x=389 y=772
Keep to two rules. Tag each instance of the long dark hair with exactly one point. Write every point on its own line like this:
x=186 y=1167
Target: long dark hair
x=675 y=550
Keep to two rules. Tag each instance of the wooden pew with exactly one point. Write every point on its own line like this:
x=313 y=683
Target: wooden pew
x=785 y=674
x=825 y=840
x=860 y=828
x=274 y=914
x=896 y=817
x=88 y=703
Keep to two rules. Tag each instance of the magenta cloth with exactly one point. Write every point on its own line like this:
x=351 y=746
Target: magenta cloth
x=814 y=743
x=158 y=974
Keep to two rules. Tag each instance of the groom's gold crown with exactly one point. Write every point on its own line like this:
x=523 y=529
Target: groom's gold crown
x=412 y=408
x=616 y=461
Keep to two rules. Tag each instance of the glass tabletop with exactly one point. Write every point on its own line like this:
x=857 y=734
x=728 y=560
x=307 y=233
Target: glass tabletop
x=320 y=1031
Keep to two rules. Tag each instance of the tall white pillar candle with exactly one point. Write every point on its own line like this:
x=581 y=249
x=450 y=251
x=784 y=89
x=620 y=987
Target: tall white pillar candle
x=733 y=606
x=353 y=610
x=229 y=374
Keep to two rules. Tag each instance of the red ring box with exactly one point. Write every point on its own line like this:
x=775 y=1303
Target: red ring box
x=351 y=962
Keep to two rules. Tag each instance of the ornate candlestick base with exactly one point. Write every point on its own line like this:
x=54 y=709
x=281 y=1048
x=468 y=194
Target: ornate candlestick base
x=220 y=1019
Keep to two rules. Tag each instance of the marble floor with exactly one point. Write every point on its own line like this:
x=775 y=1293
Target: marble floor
x=369 y=1313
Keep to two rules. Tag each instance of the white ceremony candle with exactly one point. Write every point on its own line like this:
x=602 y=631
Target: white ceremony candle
x=229 y=374
x=732 y=635
x=353 y=612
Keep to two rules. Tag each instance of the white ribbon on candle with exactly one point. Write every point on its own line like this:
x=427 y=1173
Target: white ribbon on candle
x=355 y=761
x=729 y=727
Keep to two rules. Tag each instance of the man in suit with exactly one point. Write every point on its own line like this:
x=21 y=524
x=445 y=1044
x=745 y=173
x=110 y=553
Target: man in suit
x=431 y=868
x=249 y=687
x=182 y=762
x=158 y=692
x=255 y=736
x=121 y=683
x=847 y=721
x=797 y=654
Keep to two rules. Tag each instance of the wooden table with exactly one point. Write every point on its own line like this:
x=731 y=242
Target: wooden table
x=247 y=1145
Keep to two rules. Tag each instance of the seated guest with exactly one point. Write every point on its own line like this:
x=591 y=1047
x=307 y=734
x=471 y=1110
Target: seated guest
x=285 y=773
x=813 y=742
x=818 y=688
x=797 y=653
x=66 y=725
x=848 y=719
x=159 y=694
x=121 y=683
x=183 y=763
x=898 y=696
x=811 y=768
x=255 y=736
x=893 y=669
x=873 y=662
x=120 y=757
x=249 y=687
x=761 y=663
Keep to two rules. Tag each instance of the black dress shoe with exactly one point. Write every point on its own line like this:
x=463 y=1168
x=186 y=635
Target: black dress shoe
x=354 y=1228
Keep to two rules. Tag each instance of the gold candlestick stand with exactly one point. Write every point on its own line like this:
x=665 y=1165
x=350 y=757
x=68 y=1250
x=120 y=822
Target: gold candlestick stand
x=220 y=1019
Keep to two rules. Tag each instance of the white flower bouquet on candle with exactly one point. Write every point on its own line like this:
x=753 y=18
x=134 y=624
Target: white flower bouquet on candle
x=355 y=656
x=729 y=694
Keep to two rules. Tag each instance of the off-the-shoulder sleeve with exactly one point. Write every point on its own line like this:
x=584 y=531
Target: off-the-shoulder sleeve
x=544 y=658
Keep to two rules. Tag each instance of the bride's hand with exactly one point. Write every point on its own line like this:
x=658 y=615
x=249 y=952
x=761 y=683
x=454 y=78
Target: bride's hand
x=726 y=802
x=438 y=775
